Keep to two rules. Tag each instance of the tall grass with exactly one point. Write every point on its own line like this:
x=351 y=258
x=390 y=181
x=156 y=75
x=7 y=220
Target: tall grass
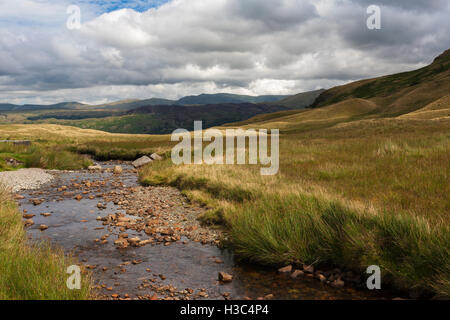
x=31 y=272
x=44 y=156
x=56 y=159
x=346 y=196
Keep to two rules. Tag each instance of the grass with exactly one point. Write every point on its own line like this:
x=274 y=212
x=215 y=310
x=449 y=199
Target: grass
x=60 y=147
x=352 y=190
x=41 y=155
x=350 y=195
x=32 y=272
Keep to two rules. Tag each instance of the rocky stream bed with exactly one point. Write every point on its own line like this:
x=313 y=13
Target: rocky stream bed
x=146 y=243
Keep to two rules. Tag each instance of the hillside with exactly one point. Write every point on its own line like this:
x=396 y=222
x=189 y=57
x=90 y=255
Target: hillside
x=226 y=98
x=301 y=100
x=170 y=118
x=307 y=119
x=437 y=109
x=159 y=119
x=397 y=94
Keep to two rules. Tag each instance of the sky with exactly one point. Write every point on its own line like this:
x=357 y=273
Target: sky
x=139 y=49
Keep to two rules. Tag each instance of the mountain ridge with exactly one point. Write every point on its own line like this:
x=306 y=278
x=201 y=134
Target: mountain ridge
x=399 y=93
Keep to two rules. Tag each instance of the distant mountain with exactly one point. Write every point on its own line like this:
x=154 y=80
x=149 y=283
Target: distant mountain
x=301 y=100
x=124 y=105
x=28 y=107
x=397 y=94
x=133 y=104
x=7 y=106
x=226 y=98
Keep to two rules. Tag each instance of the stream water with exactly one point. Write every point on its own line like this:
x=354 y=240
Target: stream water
x=73 y=225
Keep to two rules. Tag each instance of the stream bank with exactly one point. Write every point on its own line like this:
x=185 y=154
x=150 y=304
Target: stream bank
x=146 y=243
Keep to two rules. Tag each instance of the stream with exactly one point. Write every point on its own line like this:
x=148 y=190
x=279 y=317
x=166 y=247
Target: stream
x=183 y=269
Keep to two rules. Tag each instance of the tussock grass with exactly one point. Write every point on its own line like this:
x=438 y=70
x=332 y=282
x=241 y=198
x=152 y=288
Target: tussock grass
x=31 y=272
x=351 y=195
x=44 y=156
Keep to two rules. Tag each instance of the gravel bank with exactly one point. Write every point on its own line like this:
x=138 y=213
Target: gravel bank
x=25 y=179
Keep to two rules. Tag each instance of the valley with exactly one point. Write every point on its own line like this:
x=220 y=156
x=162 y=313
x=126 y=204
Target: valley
x=363 y=181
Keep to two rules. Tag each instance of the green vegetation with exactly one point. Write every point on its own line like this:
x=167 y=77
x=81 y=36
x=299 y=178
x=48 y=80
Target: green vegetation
x=160 y=119
x=134 y=124
x=32 y=272
x=41 y=155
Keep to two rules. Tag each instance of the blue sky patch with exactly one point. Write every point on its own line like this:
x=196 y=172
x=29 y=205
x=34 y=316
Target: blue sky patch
x=137 y=5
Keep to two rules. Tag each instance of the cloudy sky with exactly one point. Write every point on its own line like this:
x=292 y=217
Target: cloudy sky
x=171 y=48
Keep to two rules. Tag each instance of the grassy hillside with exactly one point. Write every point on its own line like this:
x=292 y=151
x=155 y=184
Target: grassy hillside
x=399 y=93
x=162 y=119
x=312 y=119
x=437 y=109
x=222 y=98
x=301 y=100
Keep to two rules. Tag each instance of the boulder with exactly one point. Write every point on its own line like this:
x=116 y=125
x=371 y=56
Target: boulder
x=142 y=162
x=95 y=168
x=118 y=170
x=156 y=157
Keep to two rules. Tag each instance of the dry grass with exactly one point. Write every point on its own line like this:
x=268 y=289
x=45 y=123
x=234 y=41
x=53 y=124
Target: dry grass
x=354 y=194
x=353 y=190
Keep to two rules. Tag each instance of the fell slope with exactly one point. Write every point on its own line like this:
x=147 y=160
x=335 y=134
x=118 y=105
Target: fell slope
x=435 y=110
x=397 y=94
x=226 y=98
x=301 y=100
x=307 y=119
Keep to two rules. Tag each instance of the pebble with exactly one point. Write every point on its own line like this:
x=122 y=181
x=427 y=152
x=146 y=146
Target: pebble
x=225 y=277
x=287 y=269
x=25 y=179
x=297 y=273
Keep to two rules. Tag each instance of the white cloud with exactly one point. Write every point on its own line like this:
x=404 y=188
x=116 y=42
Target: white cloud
x=194 y=46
